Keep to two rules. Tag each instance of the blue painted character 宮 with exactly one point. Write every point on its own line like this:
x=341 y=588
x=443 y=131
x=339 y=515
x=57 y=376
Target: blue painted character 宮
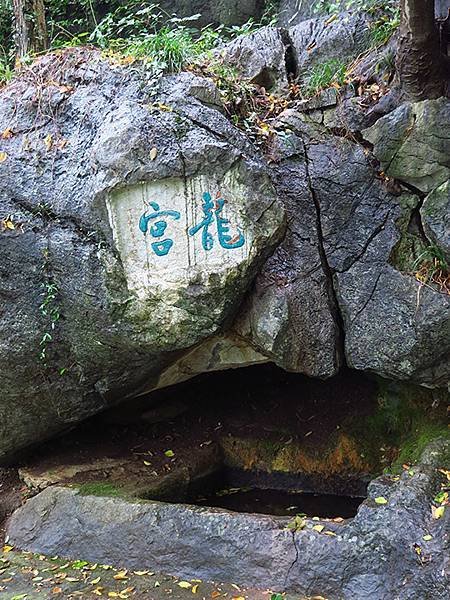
x=212 y=212
x=158 y=228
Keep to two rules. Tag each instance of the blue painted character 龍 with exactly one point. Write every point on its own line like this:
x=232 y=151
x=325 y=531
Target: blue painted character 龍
x=158 y=228
x=212 y=211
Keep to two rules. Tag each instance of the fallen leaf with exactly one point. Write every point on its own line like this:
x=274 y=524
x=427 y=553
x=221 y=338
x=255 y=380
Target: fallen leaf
x=7 y=549
x=437 y=511
x=147 y=464
x=380 y=500
x=169 y=453
x=184 y=584
x=141 y=573
x=215 y=594
x=427 y=537
x=120 y=576
x=7 y=134
x=95 y=581
x=194 y=588
x=329 y=532
x=3 y=157
x=153 y=153
x=56 y=590
x=319 y=528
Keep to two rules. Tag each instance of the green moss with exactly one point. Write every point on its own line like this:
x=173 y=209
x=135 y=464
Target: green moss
x=414 y=445
x=406 y=252
x=406 y=420
x=100 y=488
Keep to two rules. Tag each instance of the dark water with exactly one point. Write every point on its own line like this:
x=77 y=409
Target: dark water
x=282 y=503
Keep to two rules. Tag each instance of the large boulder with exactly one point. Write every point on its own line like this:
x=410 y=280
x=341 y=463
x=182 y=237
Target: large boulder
x=412 y=143
x=215 y=12
x=333 y=276
x=321 y=40
x=131 y=230
x=292 y=12
x=260 y=57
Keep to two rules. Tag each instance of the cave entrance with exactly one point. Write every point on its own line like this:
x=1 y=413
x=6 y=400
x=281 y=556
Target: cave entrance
x=255 y=439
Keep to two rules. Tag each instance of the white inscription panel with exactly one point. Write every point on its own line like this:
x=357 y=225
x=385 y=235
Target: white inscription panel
x=173 y=232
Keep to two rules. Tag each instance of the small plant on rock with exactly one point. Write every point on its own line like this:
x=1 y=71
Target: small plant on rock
x=431 y=267
x=329 y=73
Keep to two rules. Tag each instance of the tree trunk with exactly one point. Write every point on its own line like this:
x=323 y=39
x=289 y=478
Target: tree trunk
x=30 y=26
x=419 y=64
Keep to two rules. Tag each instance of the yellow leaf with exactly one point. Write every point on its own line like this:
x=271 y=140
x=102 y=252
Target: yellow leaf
x=120 y=576
x=194 y=588
x=141 y=572
x=113 y=595
x=427 y=537
x=215 y=594
x=329 y=533
x=380 y=500
x=7 y=134
x=438 y=511
x=184 y=584
x=95 y=581
x=56 y=590
x=48 y=141
x=169 y=453
x=3 y=157
x=238 y=598
x=98 y=591
x=153 y=153
x=7 y=549
x=147 y=464
x=319 y=528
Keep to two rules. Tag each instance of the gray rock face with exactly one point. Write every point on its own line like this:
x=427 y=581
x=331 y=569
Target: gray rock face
x=260 y=57
x=334 y=263
x=292 y=12
x=412 y=143
x=216 y=12
x=371 y=556
x=321 y=39
x=435 y=213
x=291 y=315
x=137 y=229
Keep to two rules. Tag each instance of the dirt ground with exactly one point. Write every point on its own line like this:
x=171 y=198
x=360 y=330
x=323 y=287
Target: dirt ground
x=26 y=576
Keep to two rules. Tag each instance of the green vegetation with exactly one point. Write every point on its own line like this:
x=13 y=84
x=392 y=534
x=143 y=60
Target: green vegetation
x=323 y=75
x=135 y=29
x=431 y=266
x=404 y=424
x=385 y=25
x=51 y=312
x=99 y=488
